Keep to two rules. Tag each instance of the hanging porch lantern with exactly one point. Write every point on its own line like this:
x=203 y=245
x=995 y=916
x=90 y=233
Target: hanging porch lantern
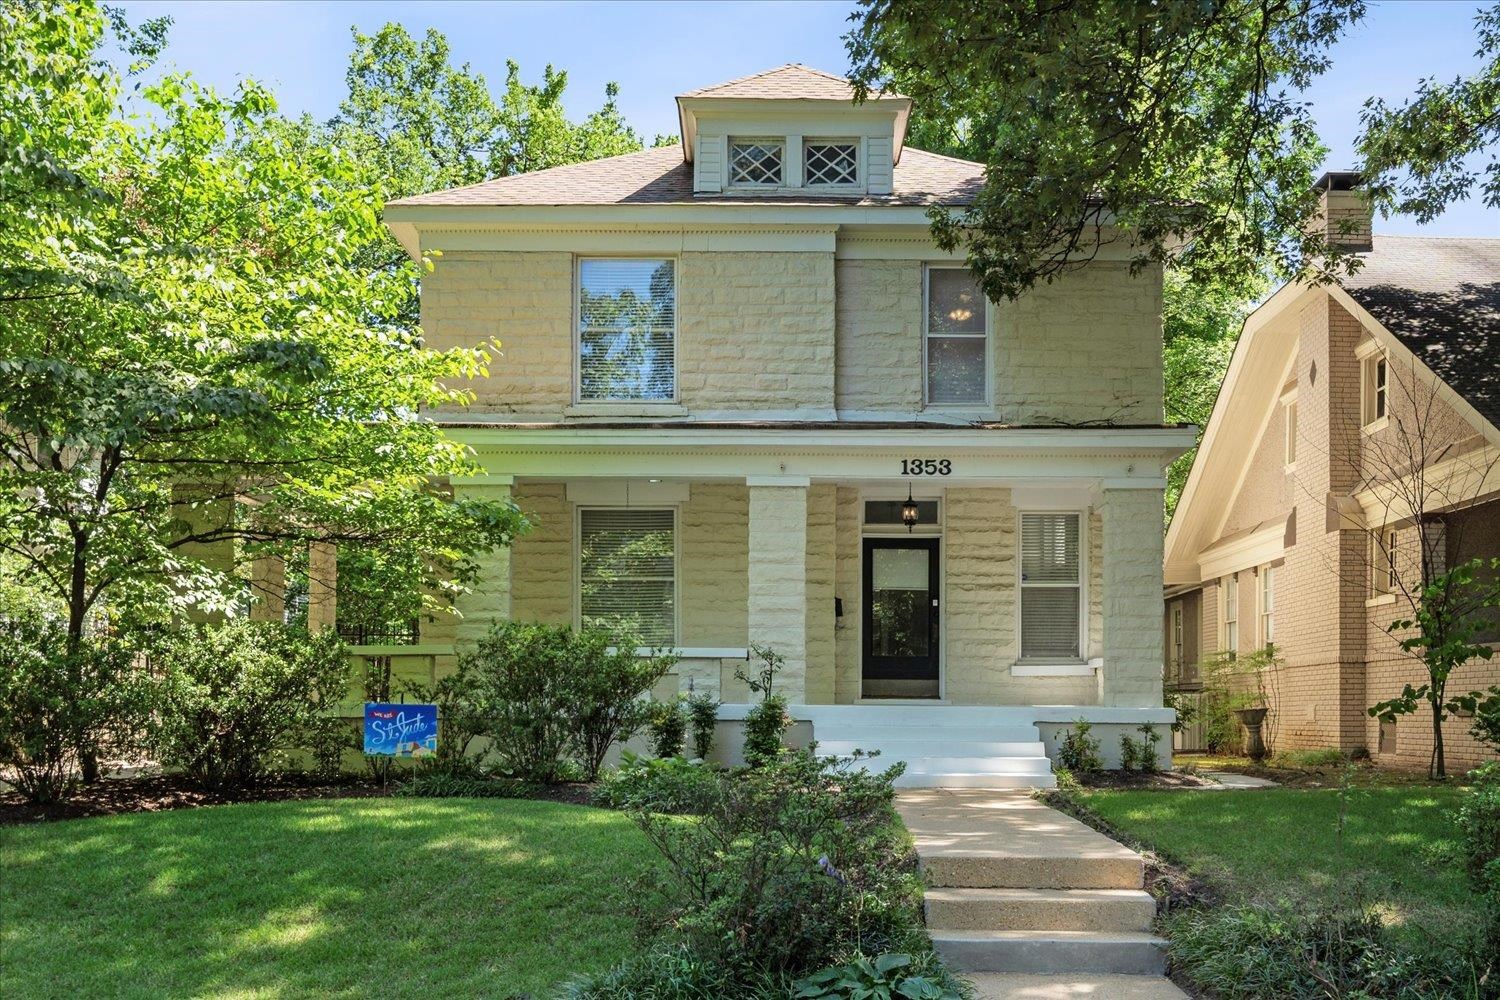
x=909 y=512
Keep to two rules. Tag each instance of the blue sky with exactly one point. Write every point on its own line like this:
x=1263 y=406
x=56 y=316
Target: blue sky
x=656 y=50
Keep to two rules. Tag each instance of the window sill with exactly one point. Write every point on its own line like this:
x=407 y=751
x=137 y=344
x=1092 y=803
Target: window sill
x=1078 y=669
x=626 y=410
x=1375 y=425
x=1379 y=600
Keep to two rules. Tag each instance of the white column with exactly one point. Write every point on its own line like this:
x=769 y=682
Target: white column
x=778 y=576
x=489 y=599
x=1133 y=643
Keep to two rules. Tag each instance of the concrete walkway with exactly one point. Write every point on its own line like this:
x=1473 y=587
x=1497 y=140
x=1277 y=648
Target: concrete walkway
x=1229 y=780
x=1032 y=903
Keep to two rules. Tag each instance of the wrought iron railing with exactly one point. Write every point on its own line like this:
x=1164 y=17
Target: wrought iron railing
x=384 y=634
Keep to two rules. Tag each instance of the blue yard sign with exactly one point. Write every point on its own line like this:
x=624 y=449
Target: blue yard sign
x=400 y=730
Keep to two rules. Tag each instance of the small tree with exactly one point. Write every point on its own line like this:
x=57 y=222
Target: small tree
x=609 y=678
x=768 y=720
x=1450 y=612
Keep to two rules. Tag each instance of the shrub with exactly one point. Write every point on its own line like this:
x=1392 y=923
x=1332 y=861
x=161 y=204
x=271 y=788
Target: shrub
x=674 y=973
x=462 y=719
x=768 y=720
x=608 y=680
x=1146 y=749
x=53 y=704
x=229 y=695
x=1079 y=752
x=326 y=741
x=659 y=785
x=518 y=672
x=703 y=716
x=1251 y=952
x=668 y=728
x=1130 y=753
x=448 y=785
x=786 y=867
x=1479 y=825
x=885 y=977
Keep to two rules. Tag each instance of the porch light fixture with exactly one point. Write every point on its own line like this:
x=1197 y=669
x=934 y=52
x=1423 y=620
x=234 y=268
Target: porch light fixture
x=909 y=511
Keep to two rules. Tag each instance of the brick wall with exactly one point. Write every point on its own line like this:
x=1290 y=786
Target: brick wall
x=755 y=331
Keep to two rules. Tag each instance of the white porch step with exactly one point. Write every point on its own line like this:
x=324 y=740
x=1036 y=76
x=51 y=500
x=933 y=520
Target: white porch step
x=934 y=746
x=965 y=733
x=927 y=716
x=918 y=779
x=979 y=765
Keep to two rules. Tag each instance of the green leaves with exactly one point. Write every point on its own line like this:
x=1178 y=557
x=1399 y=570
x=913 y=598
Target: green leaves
x=1177 y=120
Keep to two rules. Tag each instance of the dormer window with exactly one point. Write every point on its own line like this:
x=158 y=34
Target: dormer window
x=830 y=163
x=756 y=162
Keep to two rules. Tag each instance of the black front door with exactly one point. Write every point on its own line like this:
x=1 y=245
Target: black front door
x=901 y=618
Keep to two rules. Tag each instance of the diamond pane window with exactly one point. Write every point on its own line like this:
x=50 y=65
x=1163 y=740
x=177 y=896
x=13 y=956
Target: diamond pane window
x=830 y=163
x=756 y=164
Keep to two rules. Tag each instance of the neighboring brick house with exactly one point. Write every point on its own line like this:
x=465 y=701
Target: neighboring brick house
x=724 y=368
x=1289 y=529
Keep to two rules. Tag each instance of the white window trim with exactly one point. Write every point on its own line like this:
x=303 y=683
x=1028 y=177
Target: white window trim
x=1227 y=605
x=988 y=401
x=615 y=402
x=1084 y=541
x=1384 y=574
x=1178 y=644
x=1368 y=360
x=676 y=509
x=857 y=142
x=1266 y=615
x=730 y=141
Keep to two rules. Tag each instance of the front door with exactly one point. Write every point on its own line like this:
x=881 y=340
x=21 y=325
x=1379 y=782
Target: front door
x=901 y=618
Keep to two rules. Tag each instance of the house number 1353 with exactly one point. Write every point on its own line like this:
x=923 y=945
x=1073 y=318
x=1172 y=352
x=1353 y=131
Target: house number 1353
x=926 y=467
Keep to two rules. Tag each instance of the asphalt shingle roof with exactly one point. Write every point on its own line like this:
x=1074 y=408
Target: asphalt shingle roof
x=1441 y=297
x=791 y=82
x=660 y=176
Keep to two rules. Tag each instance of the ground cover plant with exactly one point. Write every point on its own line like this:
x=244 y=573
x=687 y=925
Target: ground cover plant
x=337 y=898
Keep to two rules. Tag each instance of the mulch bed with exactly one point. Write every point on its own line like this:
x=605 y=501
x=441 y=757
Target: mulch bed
x=1139 y=780
x=155 y=793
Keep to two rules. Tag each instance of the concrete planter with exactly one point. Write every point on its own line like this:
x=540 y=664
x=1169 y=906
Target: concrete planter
x=1255 y=743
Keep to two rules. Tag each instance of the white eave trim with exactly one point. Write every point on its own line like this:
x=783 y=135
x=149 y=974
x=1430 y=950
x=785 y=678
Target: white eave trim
x=1262 y=546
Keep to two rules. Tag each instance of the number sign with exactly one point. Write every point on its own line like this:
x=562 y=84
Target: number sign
x=926 y=467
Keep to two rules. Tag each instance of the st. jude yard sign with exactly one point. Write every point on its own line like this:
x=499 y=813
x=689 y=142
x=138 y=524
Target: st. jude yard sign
x=400 y=730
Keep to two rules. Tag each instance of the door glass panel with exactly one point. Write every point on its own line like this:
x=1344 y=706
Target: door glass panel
x=899 y=602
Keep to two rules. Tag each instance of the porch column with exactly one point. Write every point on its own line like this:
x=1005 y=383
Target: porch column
x=322 y=586
x=778 y=576
x=489 y=599
x=1132 y=554
x=268 y=587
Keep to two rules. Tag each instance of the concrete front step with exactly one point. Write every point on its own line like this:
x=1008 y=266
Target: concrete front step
x=928 y=716
x=948 y=779
x=1116 y=953
x=1087 y=986
x=1031 y=871
x=1039 y=909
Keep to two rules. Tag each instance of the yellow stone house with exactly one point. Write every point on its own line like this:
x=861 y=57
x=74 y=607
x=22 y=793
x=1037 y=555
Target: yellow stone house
x=743 y=398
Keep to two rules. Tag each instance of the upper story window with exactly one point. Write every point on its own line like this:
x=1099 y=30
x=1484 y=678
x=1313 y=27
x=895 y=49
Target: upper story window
x=1375 y=394
x=1232 y=614
x=1384 y=578
x=956 y=339
x=627 y=330
x=1176 y=649
x=829 y=163
x=756 y=162
x=627 y=572
x=1051 y=587
x=1291 y=434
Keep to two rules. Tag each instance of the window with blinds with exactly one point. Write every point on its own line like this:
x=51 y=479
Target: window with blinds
x=1051 y=587
x=627 y=572
x=627 y=330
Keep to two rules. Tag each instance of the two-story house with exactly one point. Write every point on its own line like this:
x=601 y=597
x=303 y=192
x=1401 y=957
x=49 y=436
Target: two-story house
x=1355 y=433
x=744 y=399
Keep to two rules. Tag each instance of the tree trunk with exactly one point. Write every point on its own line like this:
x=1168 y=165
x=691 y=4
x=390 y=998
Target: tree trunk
x=1439 y=767
x=88 y=756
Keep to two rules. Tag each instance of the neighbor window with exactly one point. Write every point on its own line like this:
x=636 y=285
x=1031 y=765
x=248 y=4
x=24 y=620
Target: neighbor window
x=627 y=329
x=1267 y=605
x=756 y=162
x=627 y=572
x=957 y=355
x=1383 y=576
x=1051 y=587
x=1376 y=388
x=1291 y=432
x=830 y=163
x=1177 y=638
x=1232 y=614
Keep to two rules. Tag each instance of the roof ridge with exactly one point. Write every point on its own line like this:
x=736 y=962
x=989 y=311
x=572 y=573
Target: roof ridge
x=944 y=156
x=1418 y=236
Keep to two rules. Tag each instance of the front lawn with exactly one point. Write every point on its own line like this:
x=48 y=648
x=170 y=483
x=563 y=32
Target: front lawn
x=348 y=897
x=1264 y=846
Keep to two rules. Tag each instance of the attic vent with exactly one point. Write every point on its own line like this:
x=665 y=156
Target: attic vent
x=830 y=163
x=756 y=164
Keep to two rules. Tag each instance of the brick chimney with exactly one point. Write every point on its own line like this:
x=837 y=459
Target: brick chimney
x=1344 y=213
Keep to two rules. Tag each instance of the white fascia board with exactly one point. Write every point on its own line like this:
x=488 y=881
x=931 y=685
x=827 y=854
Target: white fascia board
x=631 y=239
x=720 y=209
x=1255 y=549
x=1461 y=479
x=1142 y=440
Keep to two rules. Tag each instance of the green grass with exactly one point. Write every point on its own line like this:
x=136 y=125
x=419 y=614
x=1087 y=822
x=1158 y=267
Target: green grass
x=344 y=898
x=1400 y=846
